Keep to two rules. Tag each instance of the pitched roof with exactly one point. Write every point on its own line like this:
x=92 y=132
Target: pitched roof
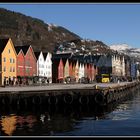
x=3 y=43
x=24 y=48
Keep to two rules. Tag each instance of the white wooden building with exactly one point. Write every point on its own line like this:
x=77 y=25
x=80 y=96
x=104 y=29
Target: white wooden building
x=48 y=66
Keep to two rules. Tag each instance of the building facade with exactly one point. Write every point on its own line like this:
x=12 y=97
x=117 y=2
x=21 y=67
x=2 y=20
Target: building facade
x=48 y=66
x=8 y=62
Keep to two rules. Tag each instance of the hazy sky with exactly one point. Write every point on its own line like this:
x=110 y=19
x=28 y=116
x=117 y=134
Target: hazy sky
x=110 y=23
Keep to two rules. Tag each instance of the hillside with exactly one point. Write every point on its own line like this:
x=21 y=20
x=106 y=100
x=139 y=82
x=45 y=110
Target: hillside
x=126 y=49
x=27 y=30
x=44 y=36
x=83 y=46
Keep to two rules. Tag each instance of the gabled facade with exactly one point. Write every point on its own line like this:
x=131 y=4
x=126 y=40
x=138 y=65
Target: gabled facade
x=20 y=63
x=70 y=69
x=81 y=70
x=40 y=64
x=118 y=65
x=60 y=71
x=77 y=71
x=85 y=70
x=57 y=70
x=66 y=69
x=30 y=61
x=60 y=67
x=8 y=62
x=48 y=66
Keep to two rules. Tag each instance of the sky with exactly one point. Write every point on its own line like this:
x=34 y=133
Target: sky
x=109 y=23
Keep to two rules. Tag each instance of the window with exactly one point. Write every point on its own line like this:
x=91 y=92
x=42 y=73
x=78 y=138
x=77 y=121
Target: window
x=4 y=59
x=9 y=50
x=13 y=69
x=27 y=63
x=10 y=60
x=18 y=70
x=4 y=69
x=10 y=69
x=13 y=60
x=27 y=70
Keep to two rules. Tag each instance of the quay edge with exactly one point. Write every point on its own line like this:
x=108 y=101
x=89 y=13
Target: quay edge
x=94 y=94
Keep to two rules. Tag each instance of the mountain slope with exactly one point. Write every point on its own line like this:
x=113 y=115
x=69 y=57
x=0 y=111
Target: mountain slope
x=27 y=30
x=126 y=49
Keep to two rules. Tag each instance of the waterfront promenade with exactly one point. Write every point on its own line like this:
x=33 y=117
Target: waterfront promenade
x=99 y=93
x=62 y=86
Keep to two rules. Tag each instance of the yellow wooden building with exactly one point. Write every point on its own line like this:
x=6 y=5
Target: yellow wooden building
x=8 y=62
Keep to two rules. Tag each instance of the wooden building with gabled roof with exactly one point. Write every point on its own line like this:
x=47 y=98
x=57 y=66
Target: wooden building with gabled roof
x=30 y=60
x=8 y=62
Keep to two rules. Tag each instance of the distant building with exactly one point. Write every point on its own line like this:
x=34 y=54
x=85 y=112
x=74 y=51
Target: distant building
x=118 y=65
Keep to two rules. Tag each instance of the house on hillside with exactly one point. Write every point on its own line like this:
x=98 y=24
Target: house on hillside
x=8 y=56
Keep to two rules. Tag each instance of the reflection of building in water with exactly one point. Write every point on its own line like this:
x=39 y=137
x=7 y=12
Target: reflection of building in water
x=8 y=124
x=20 y=121
x=30 y=120
x=44 y=117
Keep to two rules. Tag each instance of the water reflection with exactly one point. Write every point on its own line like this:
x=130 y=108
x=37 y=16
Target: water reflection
x=66 y=120
x=46 y=121
x=8 y=124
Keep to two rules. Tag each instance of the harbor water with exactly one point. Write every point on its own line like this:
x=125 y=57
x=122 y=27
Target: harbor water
x=115 y=119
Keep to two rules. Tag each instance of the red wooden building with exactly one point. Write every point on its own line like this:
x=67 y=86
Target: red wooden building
x=70 y=69
x=20 y=62
x=57 y=70
x=86 y=70
x=60 y=71
x=61 y=67
x=26 y=65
